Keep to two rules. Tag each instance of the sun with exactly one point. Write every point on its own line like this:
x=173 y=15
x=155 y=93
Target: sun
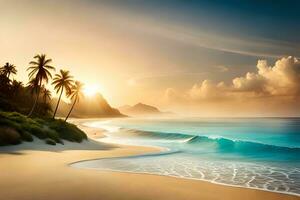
x=90 y=90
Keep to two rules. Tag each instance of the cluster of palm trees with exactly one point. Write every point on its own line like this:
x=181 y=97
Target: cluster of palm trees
x=8 y=69
x=5 y=72
x=40 y=72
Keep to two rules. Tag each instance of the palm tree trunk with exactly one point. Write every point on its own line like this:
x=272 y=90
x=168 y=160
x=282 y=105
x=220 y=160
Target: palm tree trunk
x=71 y=109
x=58 y=103
x=36 y=99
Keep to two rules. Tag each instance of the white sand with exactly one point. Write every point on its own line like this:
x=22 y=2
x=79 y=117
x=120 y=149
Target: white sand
x=35 y=171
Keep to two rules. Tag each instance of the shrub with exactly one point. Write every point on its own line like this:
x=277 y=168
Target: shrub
x=51 y=134
x=50 y=141
x=36 y=131
x=16 y=117
x=9 y=136
x=67 y=131
x=23 y=128
x=9 y=123
x=26 y=136
x=39 y=120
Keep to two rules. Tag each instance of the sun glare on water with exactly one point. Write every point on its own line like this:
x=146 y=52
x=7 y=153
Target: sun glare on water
x=91 y=90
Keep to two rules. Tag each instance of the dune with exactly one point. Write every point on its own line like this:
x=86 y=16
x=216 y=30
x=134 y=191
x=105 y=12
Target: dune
x=37 y=171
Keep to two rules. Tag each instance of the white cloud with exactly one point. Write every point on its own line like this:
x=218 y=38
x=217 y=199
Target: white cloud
x=281 y=79
x=270 y=88
x=207 y=90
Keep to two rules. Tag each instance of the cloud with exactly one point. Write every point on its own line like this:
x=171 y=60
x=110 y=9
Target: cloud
x=207 y=90
x=274 y=87
x=252 y=82
x=281 y=79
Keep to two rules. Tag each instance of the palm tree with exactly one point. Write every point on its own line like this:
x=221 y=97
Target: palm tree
x=8 y=69
x=33 y=86
x=46 y=95
x=40 y=72
x=61 y=82
x=75 y=93
x=16 y=87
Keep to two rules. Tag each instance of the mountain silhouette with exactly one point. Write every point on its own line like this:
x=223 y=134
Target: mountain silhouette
x=139 y=109
x=95 y=106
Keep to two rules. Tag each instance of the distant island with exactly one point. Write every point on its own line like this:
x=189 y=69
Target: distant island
x=141 y=109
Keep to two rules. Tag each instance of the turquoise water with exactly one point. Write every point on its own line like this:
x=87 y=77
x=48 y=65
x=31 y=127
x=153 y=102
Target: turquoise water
x=261 y=153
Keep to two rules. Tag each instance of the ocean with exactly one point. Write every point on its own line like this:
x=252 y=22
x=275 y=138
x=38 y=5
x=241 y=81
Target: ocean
x=259 y=153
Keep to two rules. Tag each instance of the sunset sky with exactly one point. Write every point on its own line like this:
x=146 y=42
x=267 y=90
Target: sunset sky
x=209 y=58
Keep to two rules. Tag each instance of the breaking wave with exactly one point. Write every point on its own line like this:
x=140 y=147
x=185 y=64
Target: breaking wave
x=223 y=145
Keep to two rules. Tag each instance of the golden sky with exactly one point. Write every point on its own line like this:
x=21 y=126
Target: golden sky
x=163 y=54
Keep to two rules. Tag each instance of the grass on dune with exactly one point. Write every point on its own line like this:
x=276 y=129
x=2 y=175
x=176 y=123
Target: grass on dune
x=15 y=128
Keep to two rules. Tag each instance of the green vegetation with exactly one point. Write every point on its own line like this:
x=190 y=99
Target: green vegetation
x=39 y=74
x=15 y=128
x=50 y=141
x=34 y=99
x=25 y=111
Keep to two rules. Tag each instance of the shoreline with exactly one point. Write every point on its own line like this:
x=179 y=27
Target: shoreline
x=186 y=178
x=48 y=171
x=165 y=150
x=177 y=177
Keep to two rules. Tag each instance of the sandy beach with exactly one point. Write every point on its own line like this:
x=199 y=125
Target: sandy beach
x=37 y=171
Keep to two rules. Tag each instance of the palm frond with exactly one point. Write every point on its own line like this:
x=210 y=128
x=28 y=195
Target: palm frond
x=39 y=68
